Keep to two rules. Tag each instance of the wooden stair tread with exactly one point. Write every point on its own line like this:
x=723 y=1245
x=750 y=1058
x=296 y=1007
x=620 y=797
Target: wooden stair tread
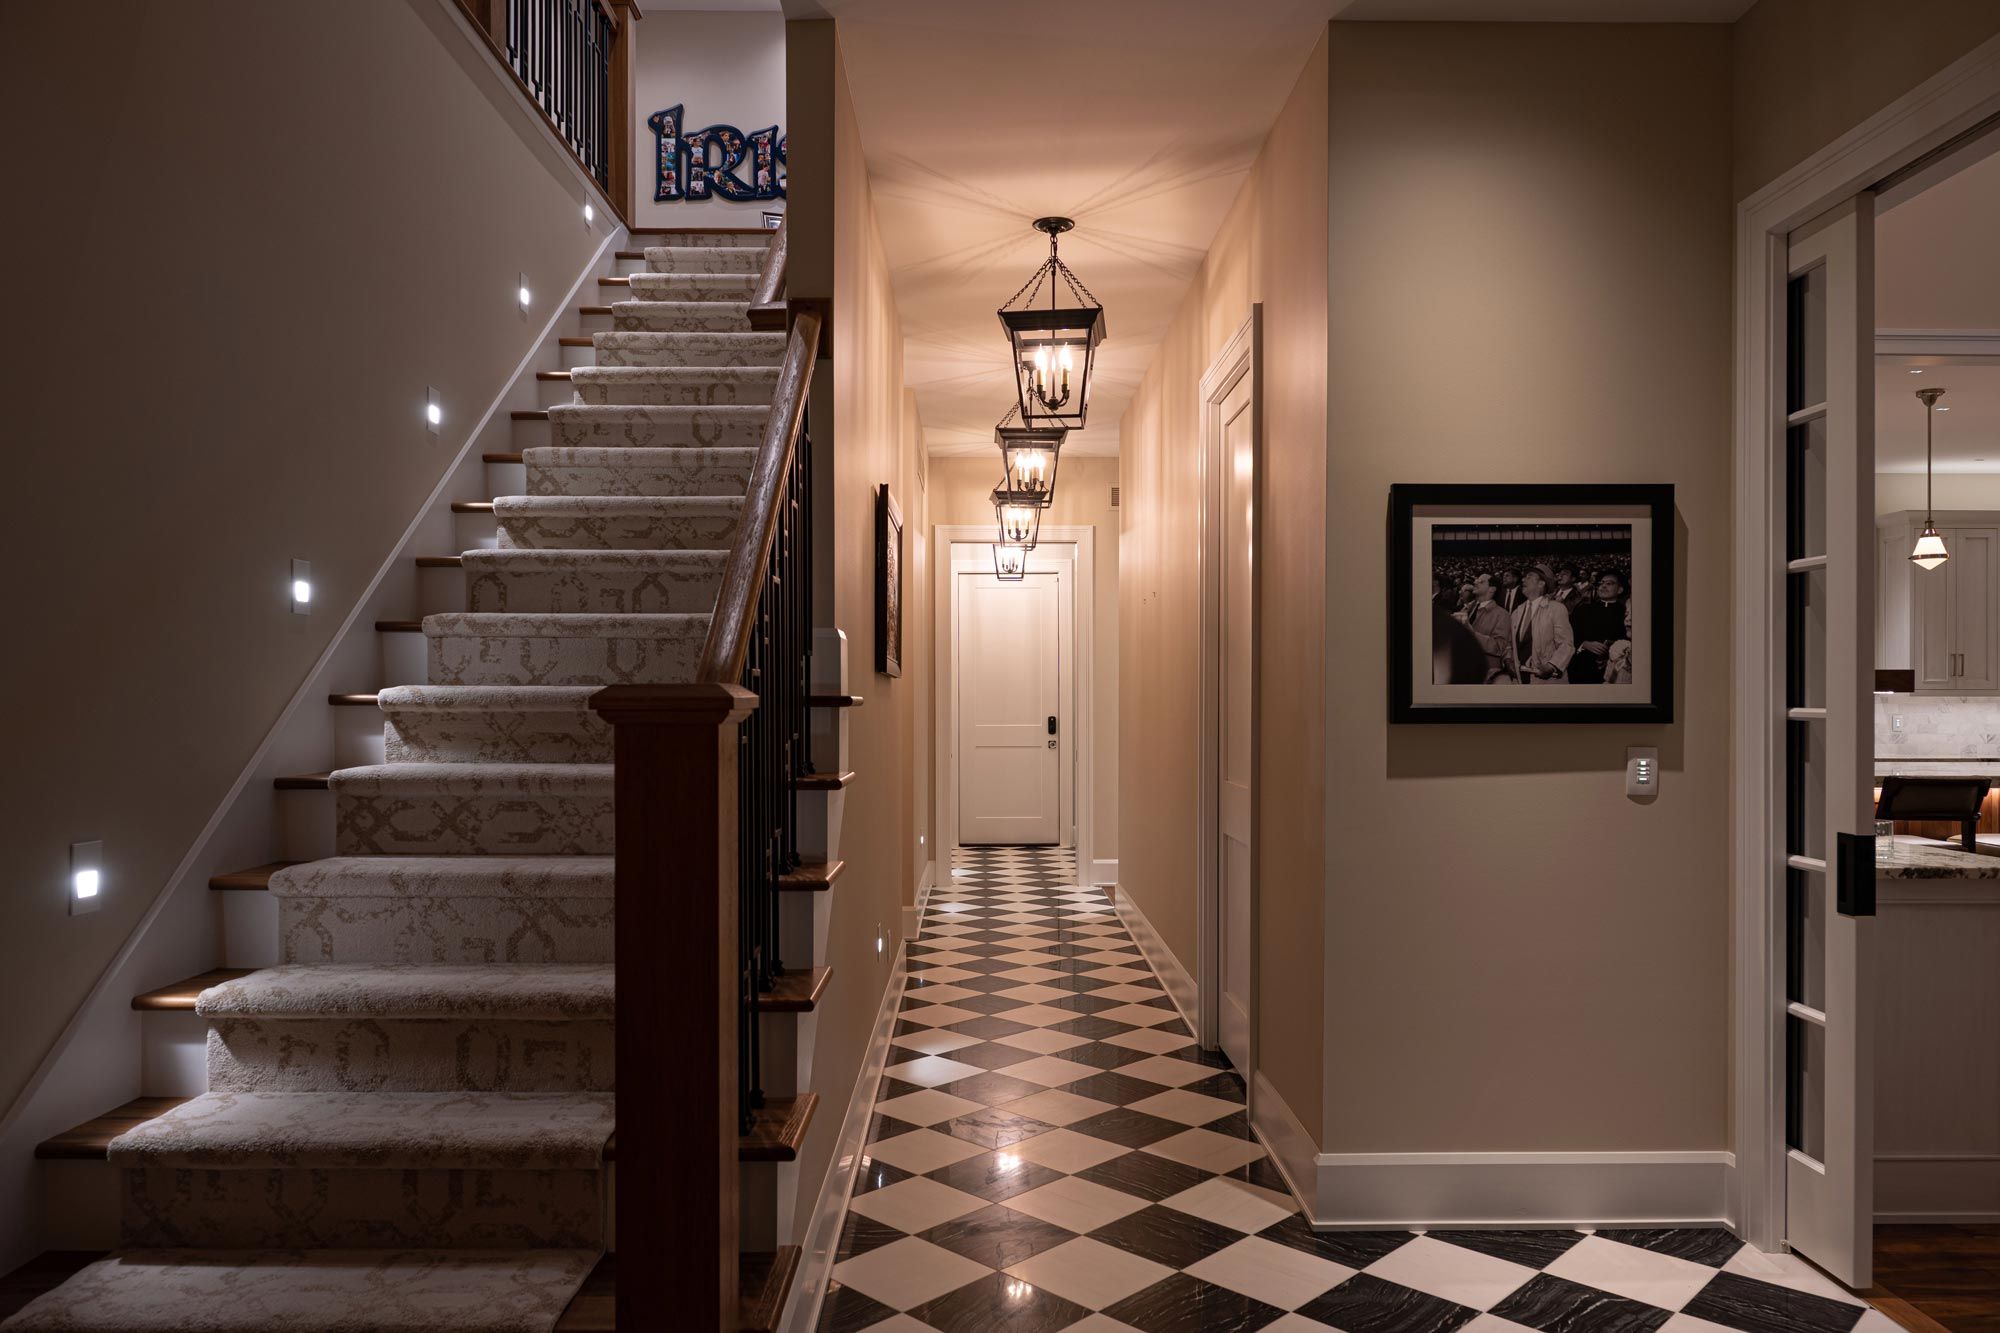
x=833 y=700
x=792 y=993
x=585 y=341
x=777 y=1129
x=764 y=1283
x=440 y=561
x=823 y=781
x=352 y=700
x=812 y=877
x=256 y=877
x=530 y=414
x=502 y=458
x=303 y=782
x=399 y=626
x=471 y=506
x=624 y=280
x=593 y=310
x=91 y=1140
x=181 y=995
x=552 y=375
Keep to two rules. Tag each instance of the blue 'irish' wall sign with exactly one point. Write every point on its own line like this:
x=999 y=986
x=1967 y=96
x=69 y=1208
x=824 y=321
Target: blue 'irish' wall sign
x=713 y=163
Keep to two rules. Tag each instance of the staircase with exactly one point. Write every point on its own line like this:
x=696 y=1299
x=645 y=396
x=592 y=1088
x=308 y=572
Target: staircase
x=409 y=1121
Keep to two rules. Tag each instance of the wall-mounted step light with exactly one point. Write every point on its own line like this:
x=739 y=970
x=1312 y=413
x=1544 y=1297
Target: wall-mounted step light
x=589 y=215
x=302 y=587
x=433 y=410
x=526 y=296
x=86 y=876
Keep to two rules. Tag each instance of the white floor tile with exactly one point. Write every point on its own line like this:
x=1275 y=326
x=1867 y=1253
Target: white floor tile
x=1139 y=1015
x=1090 y=1272
x=926 y=962
x=1164 y=1068
x=1274 y=1274
x=908 y=1272
x=1040 y=1015
x=937 y=1015
x=1041 y=1041
x=1189 y=1108
x=1028 y=958
x=1236 y=1204
x=1031 y=975
x=1486 y=1323
x=936 y=1042
x=1626 y=1270
x=927 y=1107
x=1687 y=1323
x=1067 y=1151
x=1076 y=1205
x=1053 y=1107
x=1126 y=991
x=1051 y=1070
x=1033 y=993
x=916 y=1204
x=1457 y=1274
x=941 y=992
x=1117 y=974
x=1206 y=1149
x=1788 y=1270
x=1148 y=1039
x=922 y=1150
x=927 y=1071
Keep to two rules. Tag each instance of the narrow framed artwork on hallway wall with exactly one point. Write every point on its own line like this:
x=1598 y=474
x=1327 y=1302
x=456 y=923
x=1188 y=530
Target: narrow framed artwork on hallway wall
x=888 y=583
x=1520 y=603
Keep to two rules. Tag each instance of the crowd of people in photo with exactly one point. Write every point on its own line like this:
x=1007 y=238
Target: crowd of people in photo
x=1532 y=621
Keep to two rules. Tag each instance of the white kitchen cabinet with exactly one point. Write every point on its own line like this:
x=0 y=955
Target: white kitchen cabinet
x=1942 y=623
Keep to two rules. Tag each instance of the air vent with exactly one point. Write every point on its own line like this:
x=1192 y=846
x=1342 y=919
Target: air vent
x=1114 y=497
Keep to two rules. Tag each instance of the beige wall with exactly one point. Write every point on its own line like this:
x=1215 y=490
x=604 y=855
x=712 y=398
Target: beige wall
x=224 y=326
x=1808 y=71
x=862 y=441
x=961 y=491
x=725 y=69
x=1531 y=265
x=1270 y=249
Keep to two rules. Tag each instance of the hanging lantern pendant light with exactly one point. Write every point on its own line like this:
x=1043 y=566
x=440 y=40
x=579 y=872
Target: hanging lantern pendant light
x=1929 y=552
x=1028 y=456
x=1055 y=346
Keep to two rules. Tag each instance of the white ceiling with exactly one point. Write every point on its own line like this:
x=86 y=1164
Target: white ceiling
x=1937 y=268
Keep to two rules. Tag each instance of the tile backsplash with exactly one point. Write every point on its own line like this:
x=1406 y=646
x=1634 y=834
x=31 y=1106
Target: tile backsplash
x=1937 y=726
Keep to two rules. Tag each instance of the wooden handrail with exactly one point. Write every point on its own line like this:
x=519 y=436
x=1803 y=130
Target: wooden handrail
x=729 y=631
x=767 y=302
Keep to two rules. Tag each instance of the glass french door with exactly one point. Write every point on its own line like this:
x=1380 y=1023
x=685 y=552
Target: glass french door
x=1829 y=557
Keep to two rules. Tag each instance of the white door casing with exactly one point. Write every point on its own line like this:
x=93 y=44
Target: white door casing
x=1227 y=846
x=1009 y=777
x=1829 y=1001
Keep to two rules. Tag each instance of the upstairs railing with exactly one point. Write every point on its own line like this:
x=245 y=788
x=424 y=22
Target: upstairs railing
x=705 y=808
x=572 y=59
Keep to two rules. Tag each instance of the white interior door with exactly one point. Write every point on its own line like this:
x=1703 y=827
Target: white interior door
x=1236 y=423
x=1010 y=719
x=1828 y=559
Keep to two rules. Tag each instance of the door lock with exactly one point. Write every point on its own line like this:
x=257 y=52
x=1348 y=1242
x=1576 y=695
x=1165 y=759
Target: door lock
x=1052 y=724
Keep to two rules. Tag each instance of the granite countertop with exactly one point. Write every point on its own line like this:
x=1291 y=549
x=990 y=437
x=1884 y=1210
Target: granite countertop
x=1922 y=858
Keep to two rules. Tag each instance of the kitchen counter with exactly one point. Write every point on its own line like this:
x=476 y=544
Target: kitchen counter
x=1924 y=858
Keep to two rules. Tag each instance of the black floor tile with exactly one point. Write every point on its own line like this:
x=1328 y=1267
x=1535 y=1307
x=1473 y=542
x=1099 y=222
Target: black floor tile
x=995 y=1175
x=1183 y=1304
x=1091 y=1026
x=859 y=1234
x=993 y=1129
x=1533 y=1249
x=1117 y=1089
x=887 y=1127
x=846 y=1310
x=1225 y=1085
x=1702 y=1245
x=997 y=1236
x=1103 y=1055
x=988 y=1027
x=993 y=1088
x=1764 y=1307
x=1145 y=1175
x=1356 y=1249
x=997 y=1303
x=877 y=1175
x=1263 y=1172
x=1367 y=1304
x=987 y=1004
x=990 y=1055
x=1166 y=1236
x=1554 y=1305
x=1127 y=1128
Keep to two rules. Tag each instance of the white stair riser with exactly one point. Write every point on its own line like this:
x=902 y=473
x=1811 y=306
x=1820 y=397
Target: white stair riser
x=504 y=479
x=507 y=823
x=688 y=349
x=305 y=832
x=573 y=357
x=529 y=433
x=405 y=658
x=769 y=1203
x=250 y=918
x=593 y=323
x=553 y=393
x=407 y=929
x=169 y=1207
x=473 y=530
x=441 y=589
x=373 y=1054
x=357 y=736
x=173 y=1054
x=654 y=472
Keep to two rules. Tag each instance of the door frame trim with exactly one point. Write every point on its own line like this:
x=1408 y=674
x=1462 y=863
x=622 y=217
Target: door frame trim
x=1948 y=104
x=944 y=698
x=1241 y=356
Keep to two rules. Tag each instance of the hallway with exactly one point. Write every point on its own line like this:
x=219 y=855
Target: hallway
x=1052 y=1151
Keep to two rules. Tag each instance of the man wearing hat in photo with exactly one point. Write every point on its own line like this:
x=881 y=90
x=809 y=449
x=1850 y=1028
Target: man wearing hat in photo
x=1542 y=640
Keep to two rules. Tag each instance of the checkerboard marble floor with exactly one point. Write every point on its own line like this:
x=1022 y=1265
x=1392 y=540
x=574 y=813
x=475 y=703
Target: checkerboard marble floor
x=1051 y=1150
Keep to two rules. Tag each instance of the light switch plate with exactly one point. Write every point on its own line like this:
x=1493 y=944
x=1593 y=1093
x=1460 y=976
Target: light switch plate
x=1642 y=772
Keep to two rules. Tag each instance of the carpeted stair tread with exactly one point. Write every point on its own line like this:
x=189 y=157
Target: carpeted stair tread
x=638 y=470
x=582 y=992
x=703 y=258
x=618 y=522
x=720 y=288
x=451 y=1131
x=472 y=779
x=567 y=625
x=611 y=581
x=680 y=316
x=313 y=1291
x=480 y=700
x=447 y=877
x=675 y=385
x=658 y=425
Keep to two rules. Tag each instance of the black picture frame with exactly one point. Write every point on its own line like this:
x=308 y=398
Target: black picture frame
x=888 y=583
x=1587 y=503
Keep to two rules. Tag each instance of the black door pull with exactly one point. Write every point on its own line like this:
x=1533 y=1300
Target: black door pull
x=1052 y=724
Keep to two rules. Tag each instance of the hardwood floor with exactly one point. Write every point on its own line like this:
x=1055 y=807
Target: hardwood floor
x=1931 y=1277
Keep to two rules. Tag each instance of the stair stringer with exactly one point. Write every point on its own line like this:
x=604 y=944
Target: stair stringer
x=107 y=1052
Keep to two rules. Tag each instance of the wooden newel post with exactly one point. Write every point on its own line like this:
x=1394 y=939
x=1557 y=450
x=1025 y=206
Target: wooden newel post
x=678 y=964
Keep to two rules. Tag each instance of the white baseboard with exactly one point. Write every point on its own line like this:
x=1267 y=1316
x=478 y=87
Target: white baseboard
x=1103 y=871
x=1180 y=986
x=822 y=1231
x=1526 y=1189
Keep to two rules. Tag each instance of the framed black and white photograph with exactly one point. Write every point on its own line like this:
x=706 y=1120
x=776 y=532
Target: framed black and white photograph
x=1523 y=603
x=888 y=583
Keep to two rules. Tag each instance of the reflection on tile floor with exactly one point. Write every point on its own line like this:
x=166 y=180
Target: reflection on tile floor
x=1051 y=1150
